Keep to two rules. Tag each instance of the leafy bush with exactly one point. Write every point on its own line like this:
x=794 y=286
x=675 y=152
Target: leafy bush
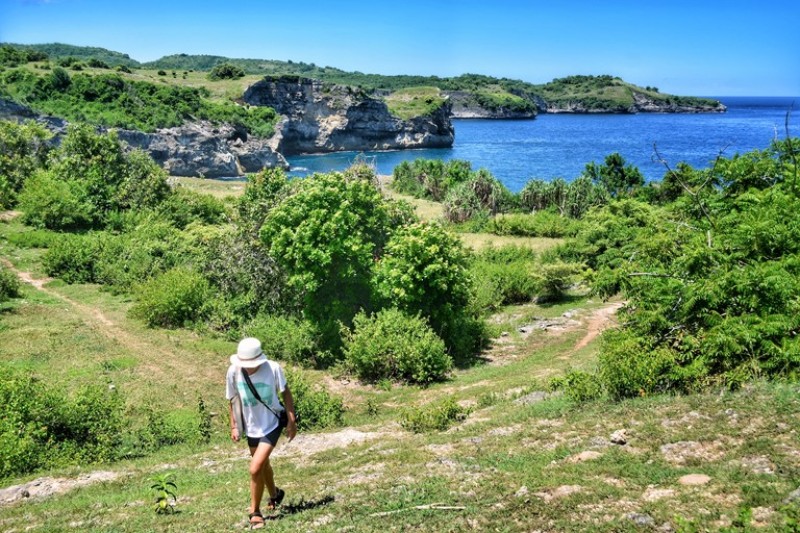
x=264 y=191
x=41 y=428
x=504 y=276
x=555 y=278
x=614 y=175
x=184 y=206
x=436 y=416
x=578 y=386
x=326 y=236
x=48 y=202
x=572 y=199
x=9 y=284
x=23 y=149
x=225 y=71
x=72 y=258
x=285 y=338
x=315 y=407
x=538 y=224
x=429 y=178
x=393 y=345
x=482 y=192
x=424 y=272
x=175 y=298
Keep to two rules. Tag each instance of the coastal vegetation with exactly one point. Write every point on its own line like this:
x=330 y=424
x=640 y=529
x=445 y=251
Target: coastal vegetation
x=495 y=369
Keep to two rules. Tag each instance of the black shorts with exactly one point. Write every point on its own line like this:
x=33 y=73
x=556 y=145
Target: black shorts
x=270 y=438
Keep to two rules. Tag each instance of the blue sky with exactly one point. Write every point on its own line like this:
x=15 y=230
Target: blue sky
x=704 y=48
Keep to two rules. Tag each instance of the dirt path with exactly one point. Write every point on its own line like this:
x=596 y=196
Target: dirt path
x=599 y=321
x=98 y=321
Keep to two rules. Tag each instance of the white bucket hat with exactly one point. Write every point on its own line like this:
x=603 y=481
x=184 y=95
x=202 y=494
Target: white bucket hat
x=249 y=354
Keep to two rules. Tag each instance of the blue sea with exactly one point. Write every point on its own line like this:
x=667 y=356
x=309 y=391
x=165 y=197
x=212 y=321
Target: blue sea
x=552 y=146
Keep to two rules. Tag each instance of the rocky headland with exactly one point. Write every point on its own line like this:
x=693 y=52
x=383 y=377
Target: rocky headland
x=317 y=117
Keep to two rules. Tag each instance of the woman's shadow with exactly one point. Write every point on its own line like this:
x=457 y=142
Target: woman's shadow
x=294 y=507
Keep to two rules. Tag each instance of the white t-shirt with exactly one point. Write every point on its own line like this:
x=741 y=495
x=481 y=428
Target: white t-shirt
x=258 y=420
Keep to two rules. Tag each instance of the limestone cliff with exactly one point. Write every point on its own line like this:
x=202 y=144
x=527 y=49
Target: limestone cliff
x=464 y=104
x=198 y=149
x=321 y=118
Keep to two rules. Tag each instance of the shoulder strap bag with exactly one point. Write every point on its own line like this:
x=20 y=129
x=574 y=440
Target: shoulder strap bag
x=283 y=418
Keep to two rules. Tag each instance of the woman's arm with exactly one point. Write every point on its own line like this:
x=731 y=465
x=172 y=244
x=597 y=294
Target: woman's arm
x=288 y=402
x=234 y=427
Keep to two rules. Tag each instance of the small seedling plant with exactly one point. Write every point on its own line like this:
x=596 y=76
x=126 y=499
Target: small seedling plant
x=166 y=490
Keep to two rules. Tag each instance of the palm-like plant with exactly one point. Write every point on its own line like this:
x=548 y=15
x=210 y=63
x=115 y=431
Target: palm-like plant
x=166 y=490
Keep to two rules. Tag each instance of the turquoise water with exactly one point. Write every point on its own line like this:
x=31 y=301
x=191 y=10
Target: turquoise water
x=560 y=145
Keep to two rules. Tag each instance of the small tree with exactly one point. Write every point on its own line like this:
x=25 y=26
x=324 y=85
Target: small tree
x=618 y=178
x=225 y=71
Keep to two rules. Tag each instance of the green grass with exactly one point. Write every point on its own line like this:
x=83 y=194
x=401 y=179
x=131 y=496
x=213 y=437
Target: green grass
x=508 y=467
x=414 y=102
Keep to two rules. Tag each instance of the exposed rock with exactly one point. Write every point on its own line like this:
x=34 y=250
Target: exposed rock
x=620 y=437
x=694 y=479
x=641 y=519
x=198 y=149
x=681 y=452
x=465 y=105
x=47 y=486
x=322 y=118
x=582 y=457
x=206 y=150
x=533 y=397
x=653 y=494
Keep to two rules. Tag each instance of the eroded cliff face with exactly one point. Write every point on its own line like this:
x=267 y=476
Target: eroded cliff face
x=196 y=149
x=641 y=104
x=321 y=118
x=202 y=149
x=465 y=105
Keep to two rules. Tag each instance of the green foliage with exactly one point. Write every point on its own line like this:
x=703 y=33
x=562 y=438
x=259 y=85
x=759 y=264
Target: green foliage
x=538 y=224
x=481 y=193
x=89 y=178
x=41 y=428
x=48 y=202
x=285 y=338
x=436 y=416
x=23 y=149
x=225 y=71
x=111 y=100
x=424 y=271
x=615 y=176
x=315 y=407
x=555 y=278
x=429 y=178
x=578 y=386
x=72 y=258
x=175 y=298
x=571 y=199
x=504 y=276
x=326 y=236
x=396 y=346
x=9 y=284
x=184 y=206
x=166 y=493
x=415 y=102
x=12 y=56
x=264 y=191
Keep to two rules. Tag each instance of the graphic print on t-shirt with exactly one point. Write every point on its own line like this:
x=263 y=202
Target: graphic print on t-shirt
x=248 y=400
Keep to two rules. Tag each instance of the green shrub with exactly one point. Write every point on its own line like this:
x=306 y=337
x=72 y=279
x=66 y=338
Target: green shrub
x=23 y=149
x=424 y=272
x=429 y=178
x=285 y=338
x=393 y=345
x=579 y=386
x=504 y=283
x=72 y=258
x=315 y=407
x=48 y=202
x=264 y=191
x=482 y=192
x=175 y=298
x=437 y=416
x=629 y=368
x=555 y=278
x=185 y=206
x=539 y=224
x=9 y=284
x=225 y=71
x=33 y=238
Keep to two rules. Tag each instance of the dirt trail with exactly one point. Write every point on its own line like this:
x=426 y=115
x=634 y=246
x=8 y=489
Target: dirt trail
x=98 y=321
x=600 y=320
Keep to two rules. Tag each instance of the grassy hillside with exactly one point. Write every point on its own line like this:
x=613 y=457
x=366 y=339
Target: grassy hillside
x=603 y=93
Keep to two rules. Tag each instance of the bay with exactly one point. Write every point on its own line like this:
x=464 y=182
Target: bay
x=552 y=146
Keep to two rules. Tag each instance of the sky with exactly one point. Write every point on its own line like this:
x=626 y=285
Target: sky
x=697 y=48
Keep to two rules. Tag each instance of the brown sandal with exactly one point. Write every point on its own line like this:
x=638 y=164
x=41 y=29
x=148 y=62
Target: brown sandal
x=276 y=501
x=256 y=520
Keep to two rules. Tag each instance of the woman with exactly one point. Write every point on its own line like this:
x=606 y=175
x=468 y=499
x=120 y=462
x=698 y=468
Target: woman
x=252 y=385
